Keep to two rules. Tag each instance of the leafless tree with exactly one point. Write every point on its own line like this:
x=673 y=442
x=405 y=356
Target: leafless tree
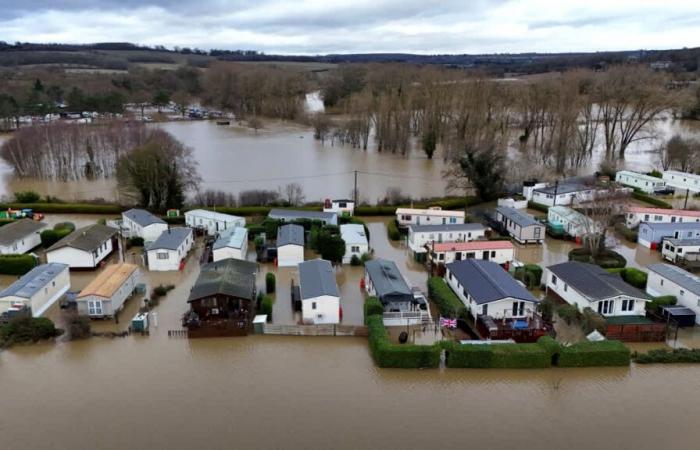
x=294 y=194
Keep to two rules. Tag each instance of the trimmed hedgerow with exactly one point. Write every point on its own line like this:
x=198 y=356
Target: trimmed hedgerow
x=16 y=264
x=657 y=302
x=266 y=306
x=270 y=282
x=392 y=230
x=641 y=196
x=530 y=274
x=447 y=301
x=503 y=356
x=373 y=307
x=403 y=356
x=594 y=354
x=664 y=356
x=67 y=208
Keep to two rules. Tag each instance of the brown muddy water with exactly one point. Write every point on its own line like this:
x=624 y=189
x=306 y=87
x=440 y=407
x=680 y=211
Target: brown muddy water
x=235 y=158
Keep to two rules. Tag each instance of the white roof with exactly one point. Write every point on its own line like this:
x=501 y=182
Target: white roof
x=206 y=214
x=353 y=233
x=430 y=212
x=641 y=176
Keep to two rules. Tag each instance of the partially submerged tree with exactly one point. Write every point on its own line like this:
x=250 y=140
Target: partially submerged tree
x=600 y=211
x=482 y=169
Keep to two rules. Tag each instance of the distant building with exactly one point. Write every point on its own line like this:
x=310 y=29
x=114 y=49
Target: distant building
x=520 y=226
x=665 y=279
x=429 y=216
x=231 y=243
x=170 y=249
x=38 y=289
x=106 y=294
x=320 y=297
x=650 y=234
x=344 y=208
x=290 y=245
x=212 y=222
x=143 y=224
x=355 y=239
x=20 y=236
x=641 y=181
x=420 y=235
x=634 y=215
x=85 y=247
x=293 y=215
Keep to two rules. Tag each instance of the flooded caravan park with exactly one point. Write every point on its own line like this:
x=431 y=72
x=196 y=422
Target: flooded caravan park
x=284 y=392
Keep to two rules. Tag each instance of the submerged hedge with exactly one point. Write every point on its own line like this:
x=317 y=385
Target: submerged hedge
x=641 y=196
x=403 y=356
x=446 y=301
x=16 y=264
x=664 y=356
x=498 y=356
x=372 y=307
x=594 y=354
x=392 y=230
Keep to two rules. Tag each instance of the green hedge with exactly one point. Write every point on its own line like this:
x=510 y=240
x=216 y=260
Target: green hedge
x=447 y=301
x=67 y=208
x=657 y=302
x=270 y=282
x=498 y=356
x=392 y=230
x=266 y=306
x=594 y=354
x=372 y=307
x=530 y=275
x=16 y=264
x=538 y=207
x=628 y=234
x=631 y=275
x=50 y=237
x=608 y=260
x=641 y=196
x=404 y=356
x=27 y=329
x=664 y=356
x=451 y=203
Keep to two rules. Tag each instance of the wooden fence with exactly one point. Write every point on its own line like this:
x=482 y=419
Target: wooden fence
x=316 y=330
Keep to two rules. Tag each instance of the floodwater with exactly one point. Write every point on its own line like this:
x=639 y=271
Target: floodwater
x=236 y=158
x=318 y=392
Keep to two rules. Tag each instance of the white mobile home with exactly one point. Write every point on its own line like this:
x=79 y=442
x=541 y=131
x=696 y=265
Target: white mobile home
x=38 y=289
x=290 y=245
x=682 y=180
x=563 y=194
x=105 y=295
x=634 y=215
x=341 y=207
x=84 y=248
x=143 y=224
x=676 y=250
x=212 y=222
x=500 y=252
x=355 y=238
x=20 y=236
x=294 y=215
x=665 y=279
x=170 y=249
x=520 y=226
x=643 y=182
x=589 y=286
x=571 y=221
x=232 y=243
x=320 y=298
x=420 y=235
x=430 y=216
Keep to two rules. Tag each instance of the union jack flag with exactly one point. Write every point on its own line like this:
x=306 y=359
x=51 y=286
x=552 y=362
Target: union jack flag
x=448 y=323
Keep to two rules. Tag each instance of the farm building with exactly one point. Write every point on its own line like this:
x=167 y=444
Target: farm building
x=212 y=222
x=665 y=279
x=222 y=300
x=231 y=243
x=500 y=252
x=650 y=235
x=681 y=250
x=634 y=215
x=344 y=208
x=293 y=215
x=589 y=286
x=143 y=224
x=429 y=216
x=355 y=238
x=320 y=298
x=520 y=226
x=20 y=236
x=170 y=249
x=570 y=221
x=682 y=180
x=84 y=248
x=290 y=245
x=643 y=182
x=38 y=289
x=420 y=235
x=105 y=295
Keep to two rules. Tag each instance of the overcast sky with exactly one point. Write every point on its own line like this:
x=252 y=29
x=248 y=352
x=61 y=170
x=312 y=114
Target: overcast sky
x=330 y=26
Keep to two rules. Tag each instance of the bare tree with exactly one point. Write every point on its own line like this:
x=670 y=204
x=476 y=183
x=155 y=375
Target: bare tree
x=600 y=210
x=294 y=193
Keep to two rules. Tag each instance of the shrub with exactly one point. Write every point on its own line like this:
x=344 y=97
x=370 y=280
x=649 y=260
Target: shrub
x=64 y=226
x=504 y=356
x=530 y=274
x=136 y=241
x=355 y=261
x=161 y=291
x=330 y=245
x=628 y=234
x=365 y=257
x=59 y=231
x=27 y=197
x=664 y=356
x=594 y=354
x=27 y=329
x=644 y=197
x=392 y=230
x=373 y=307
x=657 y=302
x=607 y=260
x=78 y=327
x=635 y=277
x=17 y=264
x=447 y=301
x=591 y=320
x=546 y=308
x=569 y=313
x=270 y=282
x=656 y=174
x=405 y=356
x=538 y=207
x=266 y=306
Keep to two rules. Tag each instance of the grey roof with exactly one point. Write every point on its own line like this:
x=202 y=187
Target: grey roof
x=563 y=188
x=594 y=282
x=233 y=237
x=487 y=282
x=521 y=218
x=293 y=214
x=142 y=217
x=232 y=277
x=12 y=232
x=170 y=239
x=88 y=238
x=34 y=280
x=386 y=278
x=316 y=278
x=290 y=234
x=683 y=242
x=682 y=278
x=668 y=226
x=447 y=227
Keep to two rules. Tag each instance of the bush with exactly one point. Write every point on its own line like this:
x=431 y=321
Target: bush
x=135 y=241
x=569 y=313
x=79 y=327
x=161 y=291
x=27 y=329
x=266 y=306
x=530 y=275
x=405 y=356
x=635 y=277
x=608 y=259
x=594 y=354
x=355 y=261
x=373 y=307
x=27 y=197
x=392 y=230
x=17 y=264
x=538 y=207
x=446 y=301
x=59 y=231
x=546 y=308
x=644 y=197
x=330 y=245
x=664 y=356
x=591 y=320
x=628 y=234
x=503 y=356
x=656 y=174
x=657 y=302
x=270 y=282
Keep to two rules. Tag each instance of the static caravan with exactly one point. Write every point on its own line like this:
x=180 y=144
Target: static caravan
x=170 y=249
x=500 y=252
x=677 y=250
x=84 y=248
x=20 y=236
x=665 y=279
x=232 y=243
x=38 y=289
x=431 y=216
x=634 y=215
x=355 y=238
x=105 y=295
x=520 y=226
x=570 y=221
x=143 y=224
x=562 y=194
x=421 y=235
x=290 y=245
x=320 y=297
x=294 y=215
x=402 y=306
x=212 y=222
x=650 y=235
x=682 y=180
x=643 y=182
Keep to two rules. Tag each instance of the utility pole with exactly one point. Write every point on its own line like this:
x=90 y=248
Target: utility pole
x=556 y=188
x=687 y=193
x=354 y=191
